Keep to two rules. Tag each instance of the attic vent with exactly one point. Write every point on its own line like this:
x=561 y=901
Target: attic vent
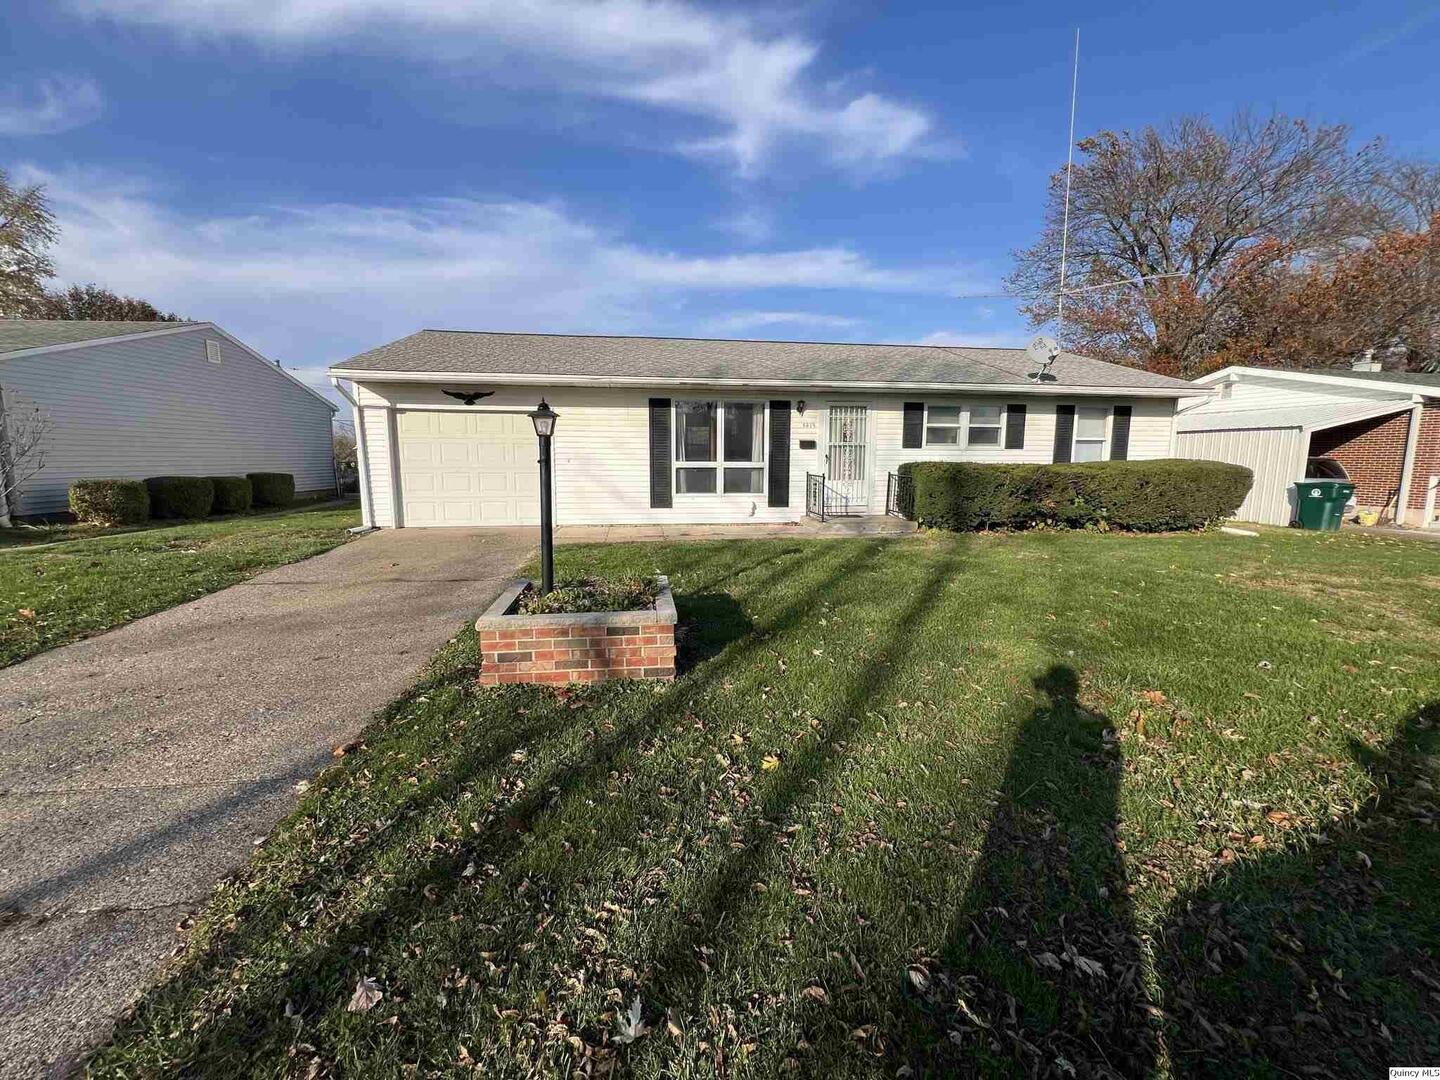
x=212 y=350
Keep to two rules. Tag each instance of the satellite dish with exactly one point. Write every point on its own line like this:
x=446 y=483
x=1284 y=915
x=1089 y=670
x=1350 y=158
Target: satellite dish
x=1042 y=353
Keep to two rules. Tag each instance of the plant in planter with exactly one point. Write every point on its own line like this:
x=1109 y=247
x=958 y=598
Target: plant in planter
x=586 y=630
x=589 y=594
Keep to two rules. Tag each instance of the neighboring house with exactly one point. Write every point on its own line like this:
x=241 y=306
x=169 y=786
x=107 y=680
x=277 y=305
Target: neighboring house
x=681 y=430
x=1382 y=426
x=139 y=399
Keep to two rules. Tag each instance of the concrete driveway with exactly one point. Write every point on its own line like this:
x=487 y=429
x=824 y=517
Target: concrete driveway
x=139 y=767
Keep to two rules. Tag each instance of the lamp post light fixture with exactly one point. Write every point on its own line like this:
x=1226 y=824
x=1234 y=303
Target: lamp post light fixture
x=544 y=419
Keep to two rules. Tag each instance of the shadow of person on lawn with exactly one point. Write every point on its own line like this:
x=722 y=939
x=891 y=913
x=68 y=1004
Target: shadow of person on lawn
x=1322 y=958
x=1041 y=972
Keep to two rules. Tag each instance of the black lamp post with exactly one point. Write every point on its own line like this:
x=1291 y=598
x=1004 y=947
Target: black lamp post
x=544 y=419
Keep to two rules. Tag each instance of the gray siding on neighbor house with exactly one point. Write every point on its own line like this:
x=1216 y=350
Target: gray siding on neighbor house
x=157 y=405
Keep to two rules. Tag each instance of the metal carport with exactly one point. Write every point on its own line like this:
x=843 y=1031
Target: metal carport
x=1272 y=442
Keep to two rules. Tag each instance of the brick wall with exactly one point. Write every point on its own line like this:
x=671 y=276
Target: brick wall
x=560 y=649
x=1373 y=453
x=1427 y=455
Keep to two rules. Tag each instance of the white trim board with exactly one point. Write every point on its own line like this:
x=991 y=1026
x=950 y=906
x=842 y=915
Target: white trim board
x=1386 y=408
x=618 y=381
x=1338 y=379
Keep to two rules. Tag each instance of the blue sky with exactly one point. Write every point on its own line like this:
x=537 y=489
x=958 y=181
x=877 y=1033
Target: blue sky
x=321 y=176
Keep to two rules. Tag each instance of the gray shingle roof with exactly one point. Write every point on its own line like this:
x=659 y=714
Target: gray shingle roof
x=704 y=359
x=16 y=334
x=1419 y=378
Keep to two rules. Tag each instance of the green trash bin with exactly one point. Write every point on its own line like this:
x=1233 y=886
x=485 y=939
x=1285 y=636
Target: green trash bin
x=1320 y=504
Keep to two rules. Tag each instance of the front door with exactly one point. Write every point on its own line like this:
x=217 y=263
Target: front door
x=847 y=460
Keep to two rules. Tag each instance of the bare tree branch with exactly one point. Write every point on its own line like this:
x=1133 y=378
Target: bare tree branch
x=24 y=444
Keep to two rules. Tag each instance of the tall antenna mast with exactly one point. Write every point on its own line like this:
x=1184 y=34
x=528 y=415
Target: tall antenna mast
x=1069 y=167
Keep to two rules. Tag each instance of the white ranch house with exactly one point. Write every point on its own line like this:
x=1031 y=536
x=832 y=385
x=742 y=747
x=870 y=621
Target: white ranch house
x=129 y=400
x=682 y=430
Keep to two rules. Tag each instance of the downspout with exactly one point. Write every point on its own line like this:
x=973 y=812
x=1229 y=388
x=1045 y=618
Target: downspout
x=1407 y=470
x=362 y=455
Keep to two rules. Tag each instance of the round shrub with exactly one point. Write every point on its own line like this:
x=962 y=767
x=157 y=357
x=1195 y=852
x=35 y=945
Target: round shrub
x=110 y=502
x=272 y=488
x=1142 y=496
x=233 y=494
x=180 y=496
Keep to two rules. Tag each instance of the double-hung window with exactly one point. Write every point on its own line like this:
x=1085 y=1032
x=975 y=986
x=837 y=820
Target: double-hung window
x=964 y=425
x=943 y=424
x=984 y=425
x=719 y=447
x=1091 y=422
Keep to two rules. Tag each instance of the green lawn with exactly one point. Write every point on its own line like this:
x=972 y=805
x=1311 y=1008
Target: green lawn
x=1060 y=804
x=64 y=591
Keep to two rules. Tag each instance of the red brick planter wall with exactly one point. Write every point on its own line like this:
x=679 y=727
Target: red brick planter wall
x=587 y=647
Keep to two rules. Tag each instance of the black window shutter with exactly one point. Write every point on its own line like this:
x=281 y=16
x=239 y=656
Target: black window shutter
x=912 y=435
x=1014 y=427
x=1064 y=432
x=779 y=479
x=660 y=490
x=1120 y=433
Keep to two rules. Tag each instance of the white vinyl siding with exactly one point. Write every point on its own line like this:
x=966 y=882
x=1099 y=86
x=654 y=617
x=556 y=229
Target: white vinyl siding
x=602 y=446
x=601 y=453
x=377 y=447
x=144 y=407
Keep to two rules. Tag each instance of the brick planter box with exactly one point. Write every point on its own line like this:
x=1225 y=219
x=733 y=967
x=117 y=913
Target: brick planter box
x=580 y=647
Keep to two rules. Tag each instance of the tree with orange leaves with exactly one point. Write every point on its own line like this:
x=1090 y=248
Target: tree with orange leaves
x=1384 y=295
x=1190 y=245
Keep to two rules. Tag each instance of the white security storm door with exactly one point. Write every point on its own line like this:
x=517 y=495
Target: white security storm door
x=467 y=468
x=847 y=464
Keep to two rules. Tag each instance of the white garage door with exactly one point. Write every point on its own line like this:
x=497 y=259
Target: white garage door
x=468 y=469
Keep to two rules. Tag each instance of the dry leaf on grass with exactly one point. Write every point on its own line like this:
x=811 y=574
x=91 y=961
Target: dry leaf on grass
x=631 y=1026
x=367 y=995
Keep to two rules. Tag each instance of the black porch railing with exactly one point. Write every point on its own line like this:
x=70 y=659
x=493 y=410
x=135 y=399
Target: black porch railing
x=900 y=495
x=823 y=501
x=815 y=495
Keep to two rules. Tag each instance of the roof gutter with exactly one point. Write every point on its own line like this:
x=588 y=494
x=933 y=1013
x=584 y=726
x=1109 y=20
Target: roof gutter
x=1338 y=379
x=362 y=462
x=620 y=381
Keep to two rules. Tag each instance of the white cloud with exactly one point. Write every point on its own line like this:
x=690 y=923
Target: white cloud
x=757 y=320
x=752 y=81
x=313 y=284
x=752 y=225
x=49 y=105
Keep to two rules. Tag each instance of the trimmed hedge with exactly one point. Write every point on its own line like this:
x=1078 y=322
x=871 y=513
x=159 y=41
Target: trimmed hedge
x=180 y=496
x=233 y=494
x=272 y=488
x=1141 y=496
x=110 y=502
